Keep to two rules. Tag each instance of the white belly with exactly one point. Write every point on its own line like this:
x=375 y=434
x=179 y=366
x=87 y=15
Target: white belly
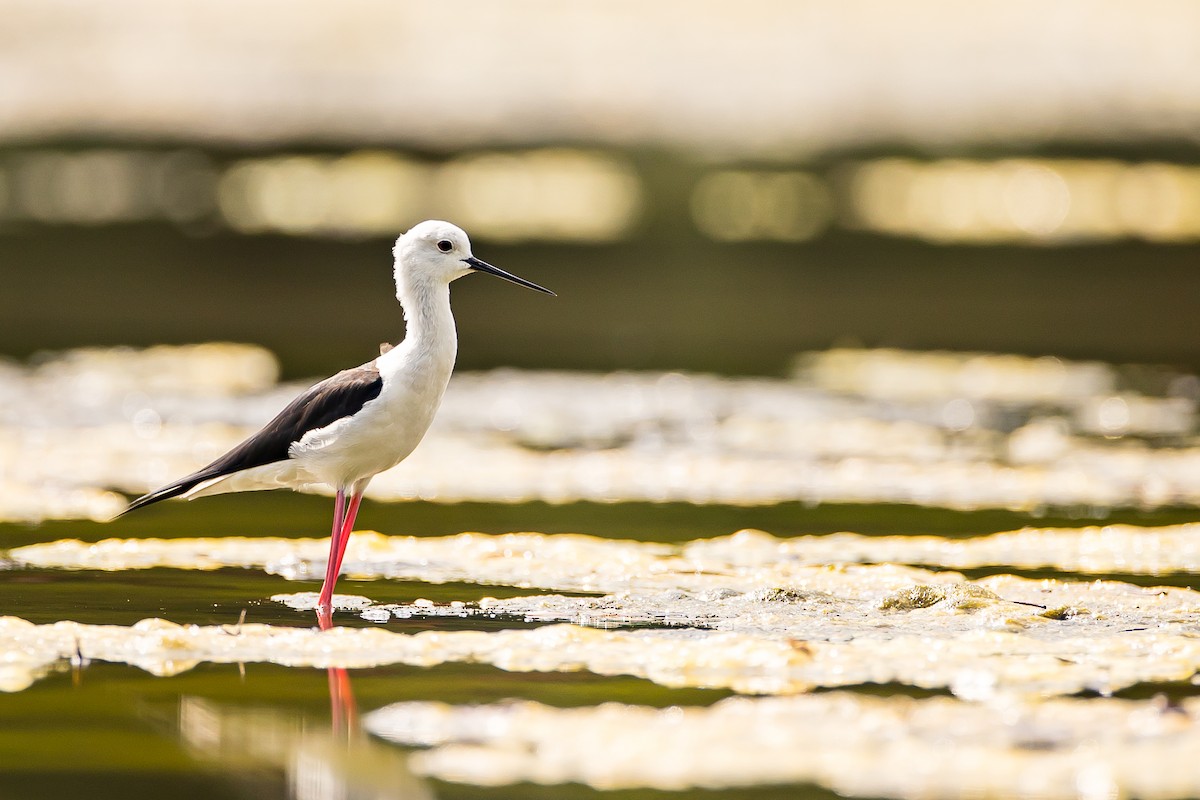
x=383 y=432
x=377 y=438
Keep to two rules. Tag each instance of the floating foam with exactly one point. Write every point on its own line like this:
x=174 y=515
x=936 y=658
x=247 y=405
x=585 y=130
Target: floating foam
x=746 y=560
x=736 y=613
x=980 y=664
x=852 y=744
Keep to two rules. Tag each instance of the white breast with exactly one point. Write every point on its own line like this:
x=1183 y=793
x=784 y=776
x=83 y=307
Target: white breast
x=385 y=430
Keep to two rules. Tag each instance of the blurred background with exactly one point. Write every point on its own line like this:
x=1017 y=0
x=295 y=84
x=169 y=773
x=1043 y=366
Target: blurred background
x=707 y=186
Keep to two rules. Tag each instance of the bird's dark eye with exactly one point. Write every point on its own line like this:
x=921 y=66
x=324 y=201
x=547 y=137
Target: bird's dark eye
x=445 y=245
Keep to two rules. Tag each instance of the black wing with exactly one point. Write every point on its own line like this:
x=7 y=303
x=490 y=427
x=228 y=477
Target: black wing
x=330 y=400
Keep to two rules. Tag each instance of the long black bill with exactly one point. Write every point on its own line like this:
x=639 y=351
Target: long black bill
x=483 y=266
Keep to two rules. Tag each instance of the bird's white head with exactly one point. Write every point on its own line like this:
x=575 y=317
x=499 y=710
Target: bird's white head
x=439 y=252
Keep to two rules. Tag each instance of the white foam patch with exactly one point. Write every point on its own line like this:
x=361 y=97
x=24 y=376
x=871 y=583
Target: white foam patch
x=754 y=625
x=852 y=744
x=978 y=664
x=980 y=640
x=747 y=559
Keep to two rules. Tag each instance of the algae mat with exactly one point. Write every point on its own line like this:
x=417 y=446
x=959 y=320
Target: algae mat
x=999 y=684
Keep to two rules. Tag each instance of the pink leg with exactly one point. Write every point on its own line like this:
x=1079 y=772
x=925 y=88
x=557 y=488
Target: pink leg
x=336 y=545
x=347 y=529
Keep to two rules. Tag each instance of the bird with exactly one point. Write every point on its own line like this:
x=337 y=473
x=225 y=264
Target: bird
x=348 y=428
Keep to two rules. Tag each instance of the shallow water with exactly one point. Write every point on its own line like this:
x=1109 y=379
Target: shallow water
x=111 y=730
x=115 y=731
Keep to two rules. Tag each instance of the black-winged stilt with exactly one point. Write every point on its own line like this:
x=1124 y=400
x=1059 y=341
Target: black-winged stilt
x=348 y=428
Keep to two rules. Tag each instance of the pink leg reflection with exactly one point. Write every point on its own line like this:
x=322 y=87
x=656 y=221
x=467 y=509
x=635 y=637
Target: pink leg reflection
x=342 y=706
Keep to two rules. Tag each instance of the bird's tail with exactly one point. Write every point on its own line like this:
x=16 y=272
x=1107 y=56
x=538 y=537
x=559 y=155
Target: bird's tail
x=179 y=487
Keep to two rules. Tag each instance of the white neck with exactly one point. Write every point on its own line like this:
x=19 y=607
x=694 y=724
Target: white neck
x=430 y=336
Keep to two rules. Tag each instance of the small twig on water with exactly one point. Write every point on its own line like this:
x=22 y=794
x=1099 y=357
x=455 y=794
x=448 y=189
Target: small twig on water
x=78 y=662
x=237 y=630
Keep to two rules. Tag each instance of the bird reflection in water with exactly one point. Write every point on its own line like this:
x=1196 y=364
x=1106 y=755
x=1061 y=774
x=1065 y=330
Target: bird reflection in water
x=279 y=752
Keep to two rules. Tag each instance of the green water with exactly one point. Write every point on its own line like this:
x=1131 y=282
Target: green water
x=106 y=730
x=667 y=300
